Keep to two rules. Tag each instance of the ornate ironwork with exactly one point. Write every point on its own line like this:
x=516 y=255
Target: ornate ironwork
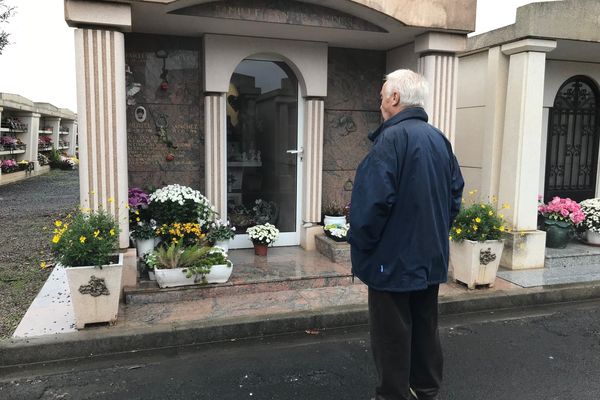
x=95 y=287
x=486 y=256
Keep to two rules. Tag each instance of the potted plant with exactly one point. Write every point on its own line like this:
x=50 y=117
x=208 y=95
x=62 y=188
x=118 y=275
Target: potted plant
x=590 y=227
x=144 y=233
x=176 y=203
x=85 y=244
x=188 y=233
x=149 y=260
x=262 y=237
x=336 y=232
x=180 y=265
x=476 y=244
x=334 y=214
x=560 y=216
x=220 y=233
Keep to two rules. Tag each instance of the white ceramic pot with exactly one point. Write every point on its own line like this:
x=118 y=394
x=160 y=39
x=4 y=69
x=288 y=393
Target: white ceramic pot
x=592 y=237
x=151 y=275
x=329 y=220
x=100 y=306
x=177 y=276
x=144 y=246
x=224 y=244
x=475 y=263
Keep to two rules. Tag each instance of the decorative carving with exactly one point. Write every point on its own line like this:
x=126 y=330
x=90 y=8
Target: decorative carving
x=346 y=122
x=95 y=287
x=349 y=185
x=486 y=256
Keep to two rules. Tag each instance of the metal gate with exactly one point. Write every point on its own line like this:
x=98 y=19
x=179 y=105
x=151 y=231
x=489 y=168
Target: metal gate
x=572 y=148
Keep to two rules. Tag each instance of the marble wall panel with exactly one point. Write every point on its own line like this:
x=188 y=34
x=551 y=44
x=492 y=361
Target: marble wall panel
x=180 y=106
x=354 y=79
x=337 y=186
x=345 y=141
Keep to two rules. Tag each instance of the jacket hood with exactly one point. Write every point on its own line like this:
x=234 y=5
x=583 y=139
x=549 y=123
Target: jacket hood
x=407 y=113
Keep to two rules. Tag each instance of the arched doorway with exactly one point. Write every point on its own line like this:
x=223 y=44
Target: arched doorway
x=572 y=147
x=263 y=149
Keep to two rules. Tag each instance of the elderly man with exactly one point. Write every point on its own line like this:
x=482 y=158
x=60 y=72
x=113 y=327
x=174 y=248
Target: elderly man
x=406 y=194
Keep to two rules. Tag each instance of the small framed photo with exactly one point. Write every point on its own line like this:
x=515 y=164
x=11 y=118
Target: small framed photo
x=140 y=114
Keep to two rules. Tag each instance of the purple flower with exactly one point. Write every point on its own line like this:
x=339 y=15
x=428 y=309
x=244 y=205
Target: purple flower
x=138 y=198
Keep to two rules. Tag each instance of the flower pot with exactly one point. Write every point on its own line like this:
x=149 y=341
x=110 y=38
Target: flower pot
x=151 y=275
x=557 y=233
x=592 y=237
x=224 y=244
x=144 y=246
x=476 y=263
x=177 y=276
x=95 y=292
x=260 y=249
x=331 y=220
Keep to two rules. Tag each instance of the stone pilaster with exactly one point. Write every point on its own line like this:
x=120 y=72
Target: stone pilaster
x=312 y=172
x=521 y=151
x=31 y=137
x=71 y=138
x=54 y=123
x=215 y=147
x=100 y=56
x=439 y=65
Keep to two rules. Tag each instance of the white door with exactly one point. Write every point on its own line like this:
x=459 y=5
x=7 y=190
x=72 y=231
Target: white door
x=264 y=150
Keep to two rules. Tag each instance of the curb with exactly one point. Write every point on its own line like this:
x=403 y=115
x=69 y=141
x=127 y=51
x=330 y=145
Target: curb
x=18 y=352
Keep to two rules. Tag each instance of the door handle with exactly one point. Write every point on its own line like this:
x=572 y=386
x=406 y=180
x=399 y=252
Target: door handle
x=299 y=152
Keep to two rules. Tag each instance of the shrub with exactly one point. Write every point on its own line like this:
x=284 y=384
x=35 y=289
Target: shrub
x=478 y=222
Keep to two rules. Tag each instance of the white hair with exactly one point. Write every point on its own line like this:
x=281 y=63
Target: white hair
x=410 y=86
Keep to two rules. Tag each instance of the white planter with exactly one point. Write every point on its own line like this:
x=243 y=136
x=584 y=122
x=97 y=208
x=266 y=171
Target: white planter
x=471 y=266
x=177 y=277
x=144 y=246
x=224 y=244
x=92 y=309
x=329 y=220
x=151 y=275
x=592 y=237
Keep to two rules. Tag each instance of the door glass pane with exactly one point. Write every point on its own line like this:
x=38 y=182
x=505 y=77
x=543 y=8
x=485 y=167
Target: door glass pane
x=262 y=125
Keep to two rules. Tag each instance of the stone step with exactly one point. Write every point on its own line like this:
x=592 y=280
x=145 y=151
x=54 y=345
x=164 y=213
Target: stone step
x=149 y=292
x=574 y=255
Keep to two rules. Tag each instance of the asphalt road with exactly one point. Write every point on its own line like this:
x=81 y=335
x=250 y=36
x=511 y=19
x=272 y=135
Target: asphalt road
x=546 y=353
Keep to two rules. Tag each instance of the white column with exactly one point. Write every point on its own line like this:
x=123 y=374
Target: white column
x=100 y=65
x=70 y=138
x=31 y=137
x=54 y=123
x=439 y=65
x=313 y=160
x=215 y=148
x=521 y=151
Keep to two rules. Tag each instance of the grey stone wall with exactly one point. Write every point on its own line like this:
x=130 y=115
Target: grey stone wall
x=351 y=112
x=178 y=107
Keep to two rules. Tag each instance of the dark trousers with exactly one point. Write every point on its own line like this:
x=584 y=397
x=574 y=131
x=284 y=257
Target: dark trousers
x=406 y=344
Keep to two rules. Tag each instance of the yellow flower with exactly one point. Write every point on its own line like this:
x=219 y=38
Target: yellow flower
x=82 y=239
x=111 y=200
x=58 y=223
x=450 y=237
x=137 y=219
x=96 y=233
x=501 y=216
x=475 y=227
x=136 y=212
x=506 y=205
x=55 y=239
x=112 y=232
x=483 y=206
x=490 y=213
x=127 y=206
x=43 y=265
x=502 y=228
x=478 y=220
x=458 y=231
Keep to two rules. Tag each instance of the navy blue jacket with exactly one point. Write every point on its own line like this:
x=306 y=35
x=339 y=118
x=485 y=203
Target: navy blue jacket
x=407 y=192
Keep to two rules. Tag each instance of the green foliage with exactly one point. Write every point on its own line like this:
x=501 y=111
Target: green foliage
x=5 y=13
x=478 y=222
x=85 y=239
x=195 y=260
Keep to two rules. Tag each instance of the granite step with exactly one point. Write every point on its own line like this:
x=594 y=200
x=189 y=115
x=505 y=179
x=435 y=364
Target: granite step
x=574 y=255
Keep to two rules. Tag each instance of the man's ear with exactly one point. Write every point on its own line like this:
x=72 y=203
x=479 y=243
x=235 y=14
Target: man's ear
x=395 y=98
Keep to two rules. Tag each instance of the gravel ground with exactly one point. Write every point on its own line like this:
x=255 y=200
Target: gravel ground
x=27 y=207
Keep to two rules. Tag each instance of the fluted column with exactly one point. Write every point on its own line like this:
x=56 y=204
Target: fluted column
x=100 y=56
x=438 y=63
x=313 y=160
x=54 y=123
x=215 y=147
x=32 y=120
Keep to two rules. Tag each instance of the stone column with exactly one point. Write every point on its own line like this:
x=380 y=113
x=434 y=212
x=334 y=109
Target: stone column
x=31 y=137
x=312 y=171
x=100 y=56
x=439 y=65
x=521 y=151
x=71 y=137
x=54 y=123
x=215 y=147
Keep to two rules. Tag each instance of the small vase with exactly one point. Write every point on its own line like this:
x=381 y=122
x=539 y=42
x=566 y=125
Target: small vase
x=144 y=246
x=224 y=244
x=592 y=237
x=260 y=249
x=557 y=233
x=334 y=220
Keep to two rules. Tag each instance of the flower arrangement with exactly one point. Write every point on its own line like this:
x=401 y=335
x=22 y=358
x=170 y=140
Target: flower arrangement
x=9 y=166
x=137 y=198
x=176 y=203
x=264 y=234
x=143 y=230
x=196 y=261
x=333 y=209
x=591 y=210
x=85 y=239
x=565 y=211
x=45 y=142
x=8 y=141
x=337 y=232
x=23 y=164
x=188 y=233
x=220 y=231
x=150 y=260
x=478 y=222
x=43 y=160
